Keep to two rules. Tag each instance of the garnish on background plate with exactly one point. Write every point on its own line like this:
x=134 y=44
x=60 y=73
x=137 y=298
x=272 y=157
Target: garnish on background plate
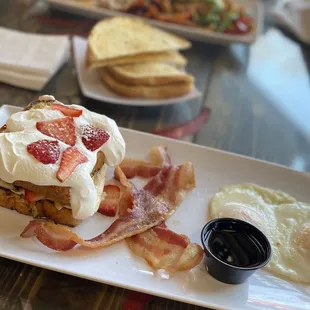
x=224 y=16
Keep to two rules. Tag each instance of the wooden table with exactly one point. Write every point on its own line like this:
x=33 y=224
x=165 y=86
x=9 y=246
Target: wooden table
x=259 y=98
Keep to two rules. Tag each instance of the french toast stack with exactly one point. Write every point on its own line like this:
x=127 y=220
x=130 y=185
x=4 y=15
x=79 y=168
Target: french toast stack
x=52 y=156
x=137 y=60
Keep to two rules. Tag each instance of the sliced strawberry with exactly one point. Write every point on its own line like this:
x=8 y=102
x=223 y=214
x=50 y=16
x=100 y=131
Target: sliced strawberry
x=45 y=151
x=71 y=158
x=62 y=129
x=32 y=197
x=109 y=205
x=67 y=111
x=93 y=137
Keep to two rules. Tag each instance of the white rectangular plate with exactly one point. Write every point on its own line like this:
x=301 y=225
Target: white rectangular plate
x=117 y=266
x=92 y=86
x=192 y=33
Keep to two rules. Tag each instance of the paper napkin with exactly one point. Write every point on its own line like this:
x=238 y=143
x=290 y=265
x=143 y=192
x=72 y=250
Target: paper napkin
x=295 y=16
x=30 y=60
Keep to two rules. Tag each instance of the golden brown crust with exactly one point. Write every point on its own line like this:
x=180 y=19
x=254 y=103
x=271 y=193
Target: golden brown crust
x=141 y=91
x=130 y=74
x=40 y=209
x=123 y=36
x=54 y=193
x=99 y=162
x=63 y=216
x=171 y=57
x=39 y=104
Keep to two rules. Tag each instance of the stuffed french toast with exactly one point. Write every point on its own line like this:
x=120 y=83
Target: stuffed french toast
x=53 y=160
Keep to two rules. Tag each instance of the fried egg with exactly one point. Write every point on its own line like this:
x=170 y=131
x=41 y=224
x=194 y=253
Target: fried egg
x=284 y=220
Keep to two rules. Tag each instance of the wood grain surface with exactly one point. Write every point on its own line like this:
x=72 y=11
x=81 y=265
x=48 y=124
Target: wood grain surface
x=259 y=98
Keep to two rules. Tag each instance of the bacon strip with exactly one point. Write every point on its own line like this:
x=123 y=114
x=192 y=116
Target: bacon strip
x=109 y=206
x=120 y=176
x=29 y=231
x=138 y=168
x=132 y=167
x=188 y=128
x=159 y=246
x=173 y=186
x=164 y=249
x=160 y=156
x=145 y=210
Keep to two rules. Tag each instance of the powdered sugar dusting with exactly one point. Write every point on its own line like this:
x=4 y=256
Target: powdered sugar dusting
x=62 y=129
x=93 y=137
x=45 y=151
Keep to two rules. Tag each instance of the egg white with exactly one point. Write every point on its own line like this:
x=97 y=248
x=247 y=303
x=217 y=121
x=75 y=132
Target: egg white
x=284 y=220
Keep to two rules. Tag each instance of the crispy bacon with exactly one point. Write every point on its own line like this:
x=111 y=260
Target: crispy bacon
x=160 y=156
x=186 y=129
x=159 y=246
x=30 y=228
x=109 y=206
x=165 y=249
x=173 y=182
x=125 y=204
x=132 y=167
x=138 y=168
x=54 y=236
x=146 y=208
x=120 y=176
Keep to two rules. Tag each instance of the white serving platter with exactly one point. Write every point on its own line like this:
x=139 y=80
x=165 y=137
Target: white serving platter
x=92 y=86
x=116 y=265
x=192 y=33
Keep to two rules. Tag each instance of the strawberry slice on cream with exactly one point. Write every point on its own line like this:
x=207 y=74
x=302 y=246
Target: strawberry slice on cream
x=66 y=111
x=71 y=158
x=92 y=137
x=62 y=129
x=45 y=151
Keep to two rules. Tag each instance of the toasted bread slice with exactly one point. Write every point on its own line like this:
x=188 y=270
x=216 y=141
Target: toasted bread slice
x=40 y=209
x=57 y=193
x=152 y=74
x=142 y=91
x=125 y=36
x=56 y=204
x=171 y=57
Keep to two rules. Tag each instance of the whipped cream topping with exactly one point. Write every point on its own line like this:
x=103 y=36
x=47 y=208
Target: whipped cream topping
x=17 y=164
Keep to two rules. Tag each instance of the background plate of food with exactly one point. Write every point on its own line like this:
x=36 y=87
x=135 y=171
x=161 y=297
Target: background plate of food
x=214 y=21
x=142 y=72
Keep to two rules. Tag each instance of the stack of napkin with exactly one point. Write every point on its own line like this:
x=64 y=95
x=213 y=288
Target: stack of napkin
x=30 y=60
x=295 y=16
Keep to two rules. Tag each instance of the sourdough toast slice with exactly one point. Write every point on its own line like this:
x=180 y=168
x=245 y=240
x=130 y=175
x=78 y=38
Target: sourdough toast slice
x=122 y=36
x=170 y=57
x=143 y=91
x=150 y=74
